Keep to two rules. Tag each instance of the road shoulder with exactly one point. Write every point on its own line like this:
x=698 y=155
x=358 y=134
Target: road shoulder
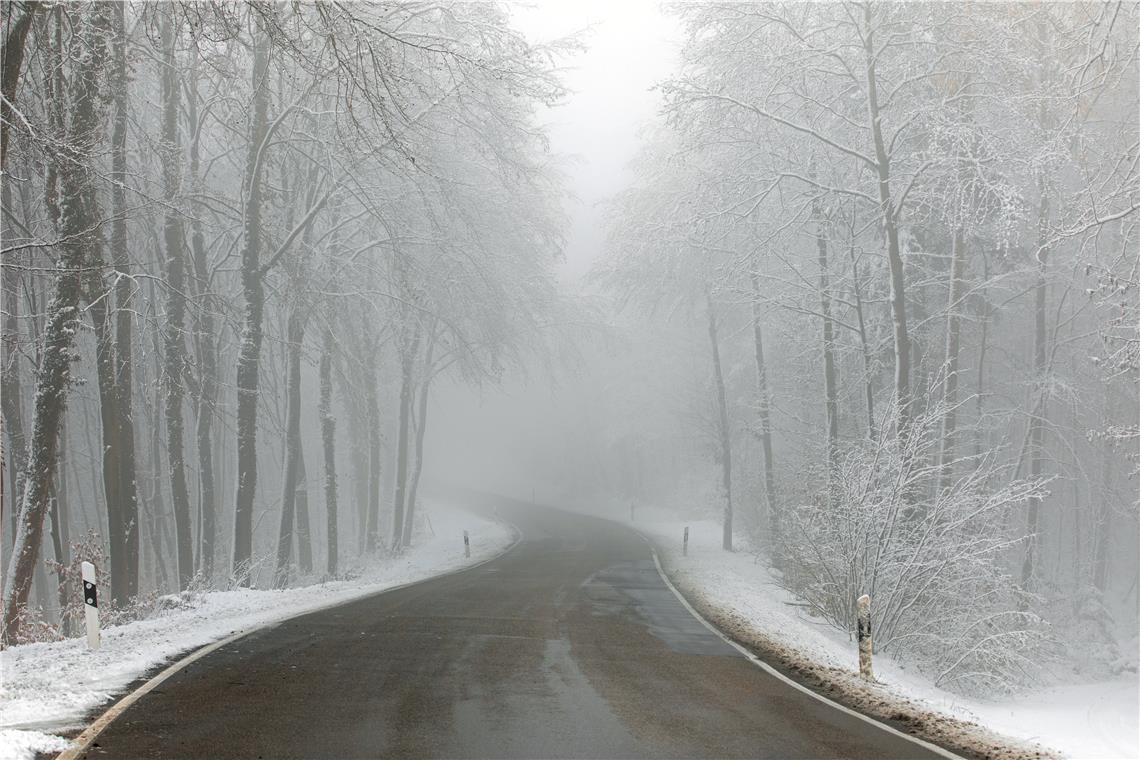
x=846 y=688
x=716 y=592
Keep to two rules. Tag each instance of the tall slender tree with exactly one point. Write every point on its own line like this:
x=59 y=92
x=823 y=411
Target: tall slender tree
x=79 y=214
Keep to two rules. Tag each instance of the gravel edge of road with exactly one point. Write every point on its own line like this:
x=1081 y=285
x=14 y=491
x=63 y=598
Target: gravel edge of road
x=959 y=736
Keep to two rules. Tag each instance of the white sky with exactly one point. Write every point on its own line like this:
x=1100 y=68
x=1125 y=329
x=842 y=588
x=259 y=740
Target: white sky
x=631 y=45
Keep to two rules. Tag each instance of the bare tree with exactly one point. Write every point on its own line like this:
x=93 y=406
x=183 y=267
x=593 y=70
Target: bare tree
x=82 y=245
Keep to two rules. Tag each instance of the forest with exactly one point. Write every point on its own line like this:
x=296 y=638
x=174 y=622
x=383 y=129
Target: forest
x=880 y=263
x=229 y=227
x=872 y=299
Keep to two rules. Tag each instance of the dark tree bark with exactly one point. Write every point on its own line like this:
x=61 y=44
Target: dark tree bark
x=725 y=437
x=120 y=259
x=372 y=539
x=764 y=413
x=407 y=385
x=328 y=441
x=12 y=62
x=421 y=429
x=58 y=514
x=157 y=518
x=254 y=295
x=296 y=481
x=358 y=433
x=78 y=214
x=206 y=342
x=11 y=390
x=109 y=417
x=60 y=505
x=296 y=336
x=304 y=532
x=57 y=545
x=174 y=334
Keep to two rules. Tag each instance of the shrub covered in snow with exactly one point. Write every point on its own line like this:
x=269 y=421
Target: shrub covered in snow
x=937 y=562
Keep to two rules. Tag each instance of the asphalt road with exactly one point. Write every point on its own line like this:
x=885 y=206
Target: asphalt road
x=570 y=645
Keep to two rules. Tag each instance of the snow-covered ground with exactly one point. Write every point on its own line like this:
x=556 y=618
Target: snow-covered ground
x=1094 y=720
x=48 y=689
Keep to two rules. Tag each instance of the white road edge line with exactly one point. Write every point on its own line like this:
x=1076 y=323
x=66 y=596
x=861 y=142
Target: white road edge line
x=773 y=672
x=83 y=741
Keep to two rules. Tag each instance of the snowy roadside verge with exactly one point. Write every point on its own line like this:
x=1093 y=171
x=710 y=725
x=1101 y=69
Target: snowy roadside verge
x=46 y=690
x=738 y=595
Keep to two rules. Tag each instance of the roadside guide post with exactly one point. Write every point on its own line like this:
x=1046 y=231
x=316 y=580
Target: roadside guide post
x=863 y=634
x=685 y=543
x=91 y=605
x=466 y=544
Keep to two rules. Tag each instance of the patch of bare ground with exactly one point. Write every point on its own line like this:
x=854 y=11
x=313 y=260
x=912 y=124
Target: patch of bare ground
x=875 y=700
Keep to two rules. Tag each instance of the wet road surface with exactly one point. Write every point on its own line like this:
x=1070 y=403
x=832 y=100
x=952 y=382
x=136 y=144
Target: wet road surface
x=570 y=645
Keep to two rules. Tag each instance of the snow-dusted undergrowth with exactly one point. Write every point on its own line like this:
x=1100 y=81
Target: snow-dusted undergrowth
x=1088 y=720
x=48 y=689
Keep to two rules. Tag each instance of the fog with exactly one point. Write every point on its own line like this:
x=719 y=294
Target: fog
x=858 y=284
x=488 y=436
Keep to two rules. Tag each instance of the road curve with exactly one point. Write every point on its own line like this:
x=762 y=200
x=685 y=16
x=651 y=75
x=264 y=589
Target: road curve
x=570 y=645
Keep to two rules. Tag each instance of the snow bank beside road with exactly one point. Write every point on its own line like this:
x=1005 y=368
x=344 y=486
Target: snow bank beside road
x=48 y=689
x=1096 y=720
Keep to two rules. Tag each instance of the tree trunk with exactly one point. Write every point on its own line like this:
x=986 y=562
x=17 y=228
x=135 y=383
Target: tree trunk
x=763 y=413
x=372 y=537
x=983 y=344
x=328 y=440
x=358 y=432
x=207 y=354
x=254 y=295
x=60 y=539
x=868 y=375
x=296 y=337
x=1037 y=420
x=59 y=552
x=96 y=518
x=80 y=245
x=725 y=437
x=109 y=417
x=1036 y=432
x=421 y=429
x=11 y=392
x=174 y=338
x=950 y=364
x=124 y=362
x=304 y=532
x=9 y=493
x=407 y=381
x=60 y=503
x=890 y=227
x=11 y=64
x=830 y=373
x=157 y=520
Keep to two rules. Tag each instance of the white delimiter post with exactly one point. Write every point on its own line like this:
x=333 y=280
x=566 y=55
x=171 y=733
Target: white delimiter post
x=863 y=634
x=466 y=545
x=91 y=605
